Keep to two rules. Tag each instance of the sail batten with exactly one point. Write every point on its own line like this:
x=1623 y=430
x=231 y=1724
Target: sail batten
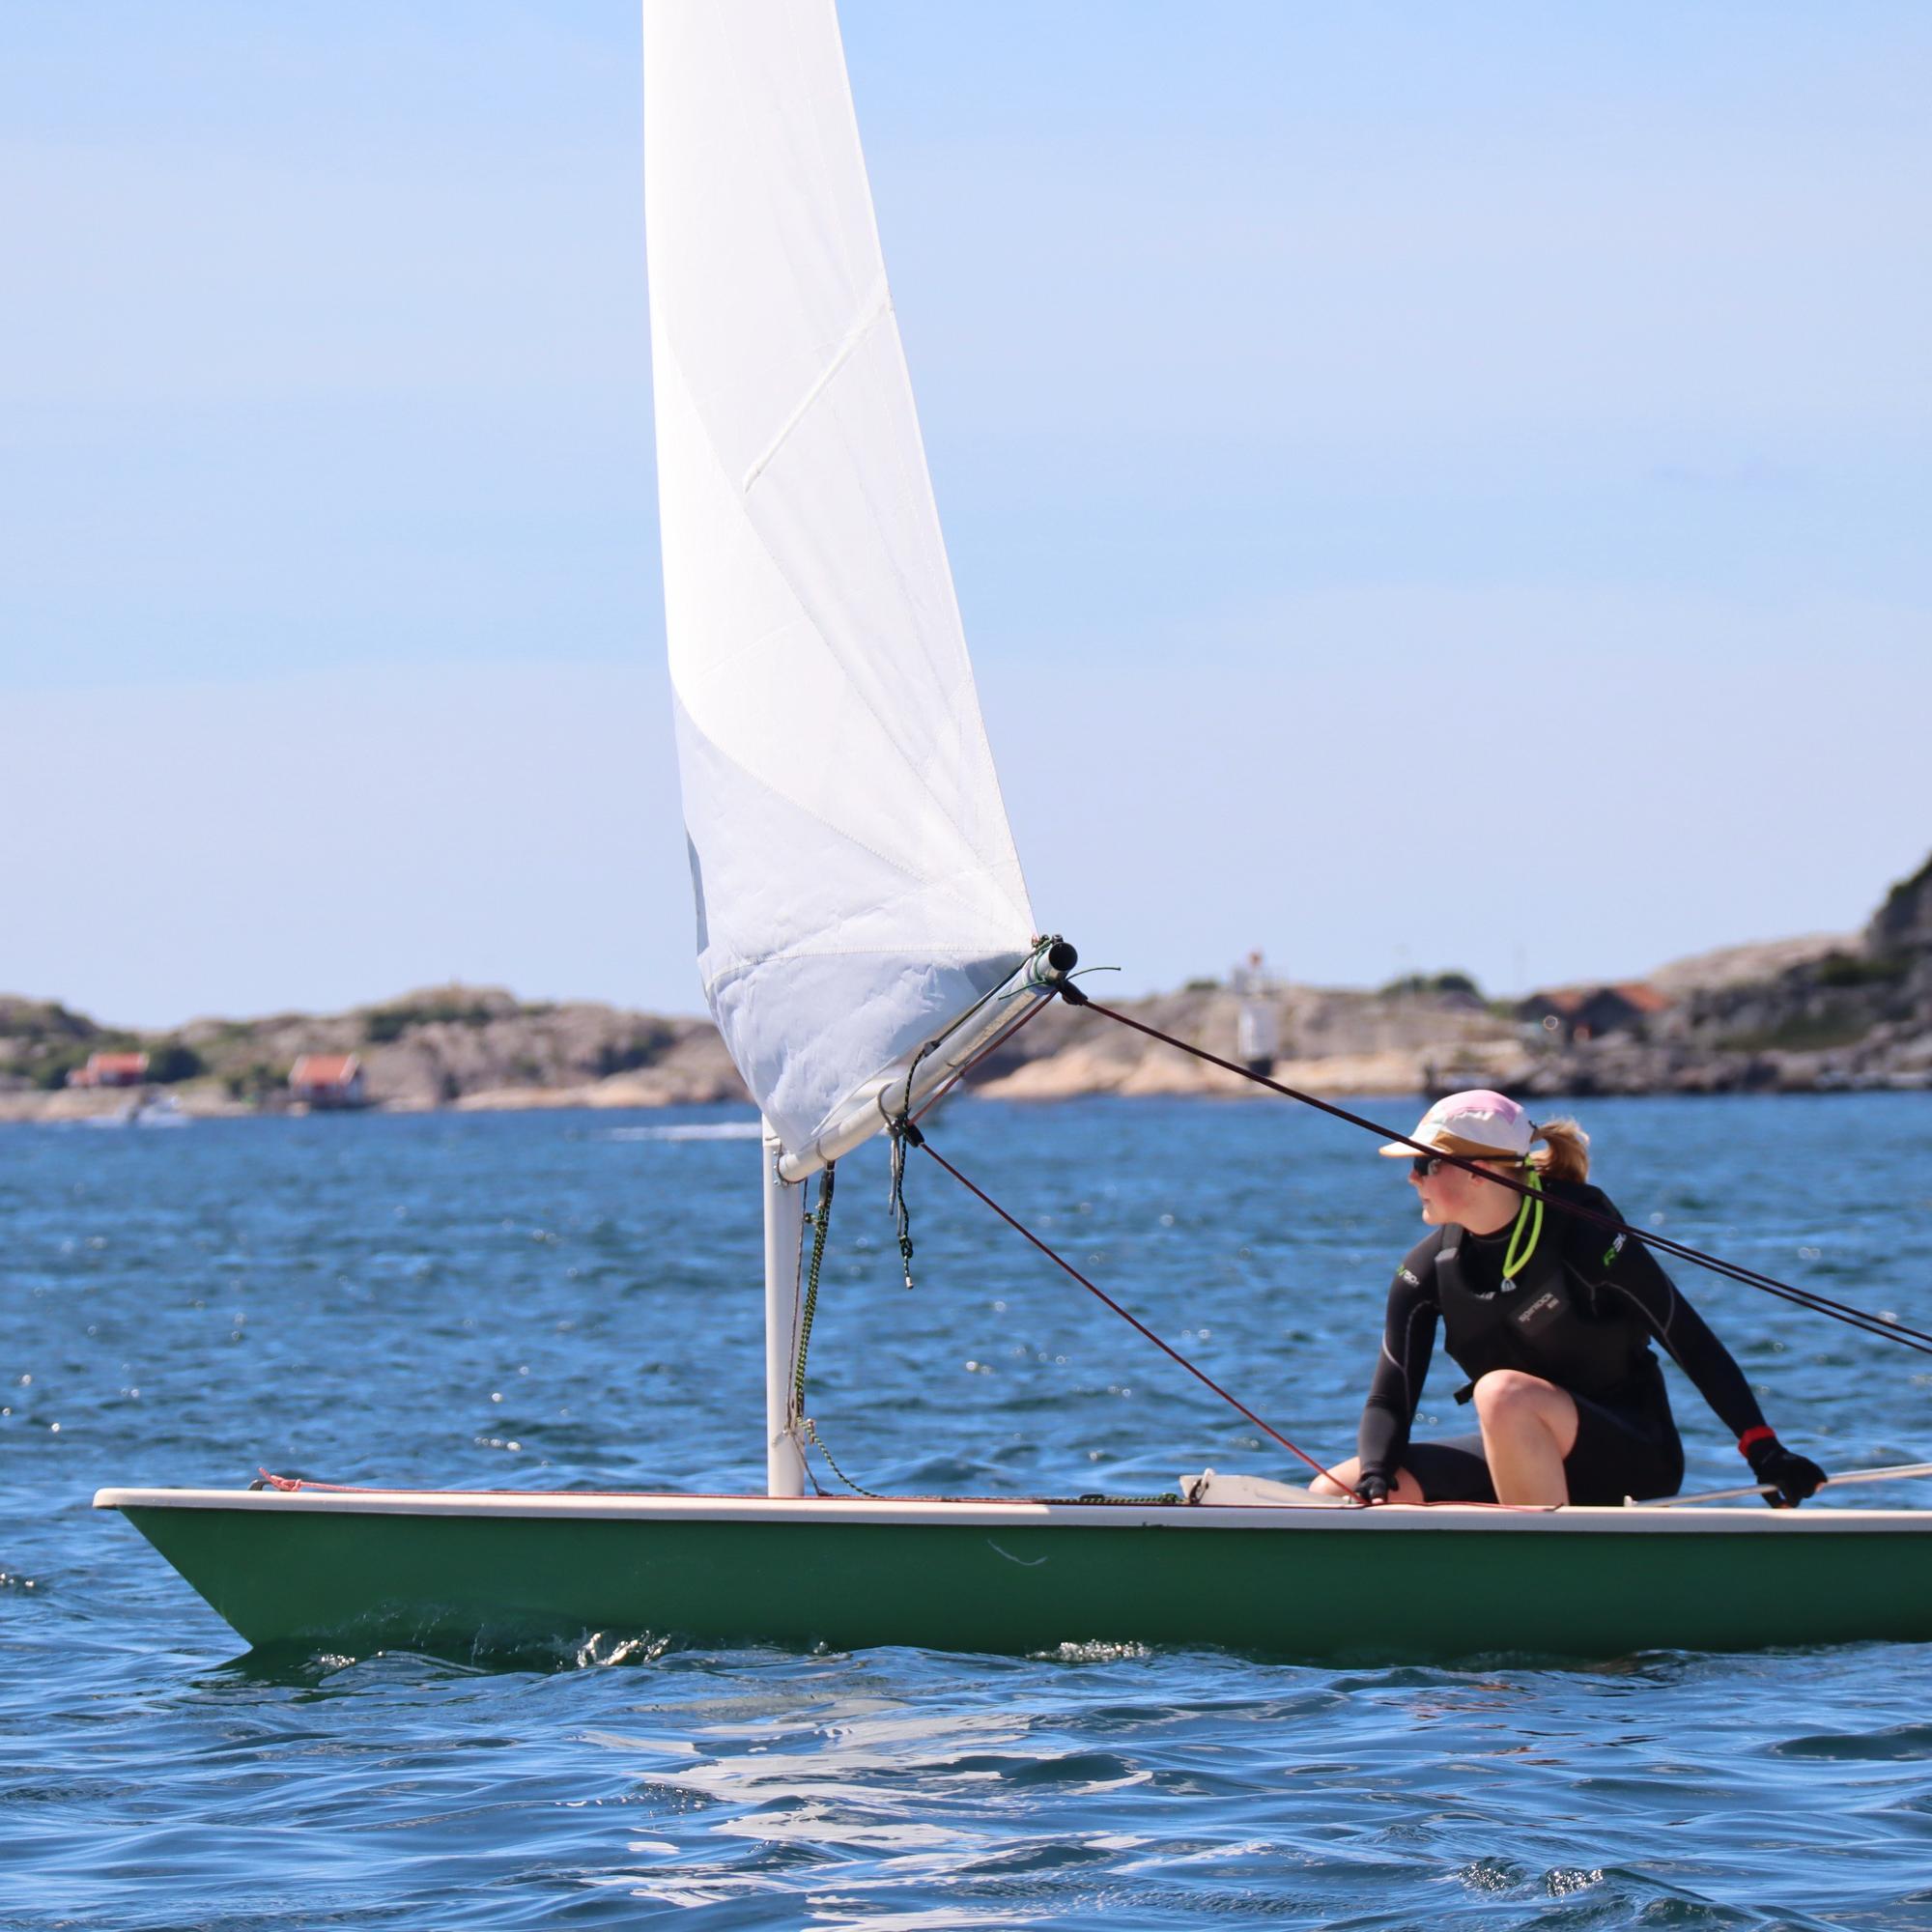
x=855 y=876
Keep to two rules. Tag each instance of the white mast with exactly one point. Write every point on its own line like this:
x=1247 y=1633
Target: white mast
x=785 y=1236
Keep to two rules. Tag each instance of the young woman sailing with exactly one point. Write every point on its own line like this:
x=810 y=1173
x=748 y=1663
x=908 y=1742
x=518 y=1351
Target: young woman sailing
x=1551 y=1320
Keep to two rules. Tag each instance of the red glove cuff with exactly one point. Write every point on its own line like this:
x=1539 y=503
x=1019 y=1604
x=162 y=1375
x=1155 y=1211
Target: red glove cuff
x=1751 y=1437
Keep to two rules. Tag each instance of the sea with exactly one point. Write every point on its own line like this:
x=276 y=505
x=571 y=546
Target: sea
x=571 y=1299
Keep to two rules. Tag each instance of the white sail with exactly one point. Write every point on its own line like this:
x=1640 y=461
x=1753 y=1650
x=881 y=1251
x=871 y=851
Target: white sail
x=856 y=879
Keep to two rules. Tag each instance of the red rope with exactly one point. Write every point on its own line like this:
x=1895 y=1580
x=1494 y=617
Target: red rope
x=1134 y=1322
x=1034 y=1009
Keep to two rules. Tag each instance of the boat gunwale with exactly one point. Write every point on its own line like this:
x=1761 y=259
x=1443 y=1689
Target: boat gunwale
x=1391 y=1518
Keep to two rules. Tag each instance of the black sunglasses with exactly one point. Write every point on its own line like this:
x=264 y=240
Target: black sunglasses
x=1426 y=1164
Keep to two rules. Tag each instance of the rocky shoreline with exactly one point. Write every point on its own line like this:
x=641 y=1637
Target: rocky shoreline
x=1811 y=1016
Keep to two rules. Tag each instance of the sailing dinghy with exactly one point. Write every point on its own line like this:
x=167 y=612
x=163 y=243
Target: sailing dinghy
x=864 y=931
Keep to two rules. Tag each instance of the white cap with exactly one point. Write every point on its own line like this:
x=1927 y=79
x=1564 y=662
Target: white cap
x=1479 y=1124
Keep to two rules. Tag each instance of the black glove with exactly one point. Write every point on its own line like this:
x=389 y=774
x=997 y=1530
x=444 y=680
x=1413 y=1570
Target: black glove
x=1373 y=1487
x=1796 y=1476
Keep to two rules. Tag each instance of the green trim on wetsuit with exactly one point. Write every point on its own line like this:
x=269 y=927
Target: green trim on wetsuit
x=1514 y=1264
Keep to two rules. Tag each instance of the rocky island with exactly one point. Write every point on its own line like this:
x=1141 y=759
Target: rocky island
x=1808 y=1014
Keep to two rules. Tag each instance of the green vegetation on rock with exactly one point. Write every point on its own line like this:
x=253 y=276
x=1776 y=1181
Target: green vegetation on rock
x=1803 y=1032
x=1848 y=969
x=382 y=1024
x=640 y=1050
x=1411 y=983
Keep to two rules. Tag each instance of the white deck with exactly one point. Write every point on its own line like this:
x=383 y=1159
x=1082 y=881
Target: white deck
x=1391 y=1518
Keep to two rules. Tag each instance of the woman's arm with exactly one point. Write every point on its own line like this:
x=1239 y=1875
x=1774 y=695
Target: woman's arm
x=1629 y=1271
x=1622 y=1270
x=1408 y=1338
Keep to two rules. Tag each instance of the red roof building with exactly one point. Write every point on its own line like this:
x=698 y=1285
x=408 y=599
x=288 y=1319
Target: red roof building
x=1641 y=995
x=1582 y=1012
x=110 y=1069
x=328 y=1080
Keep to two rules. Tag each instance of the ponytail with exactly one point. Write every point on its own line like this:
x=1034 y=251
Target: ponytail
x=1567 y=1156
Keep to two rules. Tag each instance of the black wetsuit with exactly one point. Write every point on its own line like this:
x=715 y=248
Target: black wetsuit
x=1582 y=1314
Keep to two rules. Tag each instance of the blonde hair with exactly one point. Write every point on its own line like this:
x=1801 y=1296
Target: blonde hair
x=1567 y=1156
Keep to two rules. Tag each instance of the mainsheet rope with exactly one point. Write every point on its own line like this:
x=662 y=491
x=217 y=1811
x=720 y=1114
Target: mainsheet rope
x=1820 y=1304
x=902 y=1129
x=905 y=1133
x=918 y=1140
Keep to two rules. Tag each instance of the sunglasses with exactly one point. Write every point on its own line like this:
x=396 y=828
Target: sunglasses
x=1426 y=1164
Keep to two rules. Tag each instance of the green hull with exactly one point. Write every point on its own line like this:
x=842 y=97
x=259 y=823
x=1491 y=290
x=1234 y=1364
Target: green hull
x=508 y=1574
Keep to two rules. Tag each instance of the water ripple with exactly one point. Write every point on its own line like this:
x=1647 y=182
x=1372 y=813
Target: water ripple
x=404 y=1301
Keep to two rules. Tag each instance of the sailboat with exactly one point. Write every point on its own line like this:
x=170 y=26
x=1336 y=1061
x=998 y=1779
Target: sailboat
x=862 y=931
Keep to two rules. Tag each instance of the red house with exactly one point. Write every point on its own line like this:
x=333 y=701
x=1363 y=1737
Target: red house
x=328 y=1080
x=110 y=1069
x=1582 y=1012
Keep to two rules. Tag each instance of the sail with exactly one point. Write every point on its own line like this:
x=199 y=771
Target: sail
x=855 y=874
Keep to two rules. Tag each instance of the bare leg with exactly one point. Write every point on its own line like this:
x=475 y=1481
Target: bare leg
x=1341 y=1478
x=1529 y=1427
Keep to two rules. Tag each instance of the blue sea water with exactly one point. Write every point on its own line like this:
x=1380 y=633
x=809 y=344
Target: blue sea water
x=557 y=1300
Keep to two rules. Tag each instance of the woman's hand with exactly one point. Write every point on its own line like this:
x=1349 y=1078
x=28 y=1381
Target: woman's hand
x=1373 y=1487
x=1796 y=1476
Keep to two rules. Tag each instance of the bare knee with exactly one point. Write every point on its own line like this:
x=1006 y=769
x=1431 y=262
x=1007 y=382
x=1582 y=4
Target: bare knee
x=1508 y=1395
x=1338 y=1481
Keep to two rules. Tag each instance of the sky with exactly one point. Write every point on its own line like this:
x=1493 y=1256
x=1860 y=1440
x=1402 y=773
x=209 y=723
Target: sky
x=1430 y=486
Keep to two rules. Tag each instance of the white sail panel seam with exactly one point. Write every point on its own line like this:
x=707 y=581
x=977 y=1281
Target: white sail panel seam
x=949 y=955
x=980 y=750
x=945 y=882
x=967 y=681
x=881 y=305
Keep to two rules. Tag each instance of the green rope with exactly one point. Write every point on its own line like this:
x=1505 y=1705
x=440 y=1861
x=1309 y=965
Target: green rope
x=1529 y=1215
x=1095 y=1495
x=821 y=1220
x=813 y=1436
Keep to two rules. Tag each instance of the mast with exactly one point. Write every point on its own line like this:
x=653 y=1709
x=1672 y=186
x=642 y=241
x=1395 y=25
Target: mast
x=785 y=1236
x=905 y=1088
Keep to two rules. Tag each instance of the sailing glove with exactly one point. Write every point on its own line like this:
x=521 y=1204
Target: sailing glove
x=1373 y=1487
x=1796 y=1476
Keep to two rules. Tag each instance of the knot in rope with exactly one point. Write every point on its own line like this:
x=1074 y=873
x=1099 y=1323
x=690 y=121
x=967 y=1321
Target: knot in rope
x=903 y=1134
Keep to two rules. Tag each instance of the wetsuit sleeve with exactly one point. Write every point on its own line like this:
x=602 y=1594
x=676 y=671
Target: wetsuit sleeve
x=1409 y=1337
x=1620 y=1269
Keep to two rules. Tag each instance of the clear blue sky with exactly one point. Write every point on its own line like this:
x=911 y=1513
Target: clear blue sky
x=1427 y=485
